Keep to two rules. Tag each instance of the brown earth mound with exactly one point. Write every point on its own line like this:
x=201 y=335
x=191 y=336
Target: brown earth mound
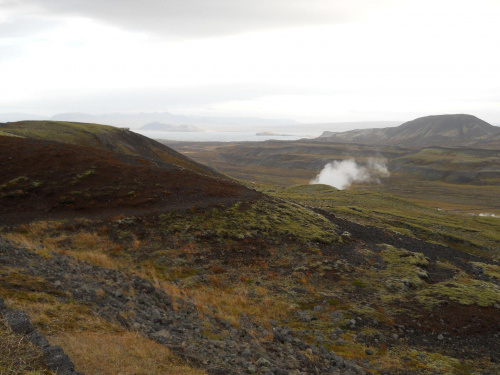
x=42 y=179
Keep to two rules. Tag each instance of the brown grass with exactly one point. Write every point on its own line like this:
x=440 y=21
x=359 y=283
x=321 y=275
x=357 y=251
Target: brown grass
x=229 y=304
x=53 y=317
x=120 y=353
x=93 y=247
x=18 y=355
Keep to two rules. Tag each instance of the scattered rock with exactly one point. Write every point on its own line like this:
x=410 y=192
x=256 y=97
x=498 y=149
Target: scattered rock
x=54 y=357
x=246 y=354
x=38 y=340
x=162 y=333
x=151 y=313
x=3 y=307
x=337 y=315
x=19 y=322
x=304 y=316
x=263 y=362
x=58 y=361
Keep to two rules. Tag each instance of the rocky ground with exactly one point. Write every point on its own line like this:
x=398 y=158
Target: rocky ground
x=309 y=339
x=151 y=312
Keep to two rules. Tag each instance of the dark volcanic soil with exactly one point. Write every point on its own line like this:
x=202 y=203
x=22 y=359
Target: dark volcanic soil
x=43 y=179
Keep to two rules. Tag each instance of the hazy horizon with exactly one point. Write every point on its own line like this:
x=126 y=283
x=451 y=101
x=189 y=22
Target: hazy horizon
x=204 y=123
x=313 y=62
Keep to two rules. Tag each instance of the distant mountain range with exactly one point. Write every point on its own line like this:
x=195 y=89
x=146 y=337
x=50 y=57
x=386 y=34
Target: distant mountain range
x=441 y=130
x=159 y=126
x=135 y=120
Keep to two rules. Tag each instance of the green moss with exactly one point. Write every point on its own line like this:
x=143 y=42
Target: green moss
x=489 y=269
x=360 y=284
x=464 y=291
x=405 y=269
x=14 y=182
x=25 y=287
x=404 y=231
x=82 y=175
x=272 y=219
x=435 y=362
x=311 y=189
x=7 y=134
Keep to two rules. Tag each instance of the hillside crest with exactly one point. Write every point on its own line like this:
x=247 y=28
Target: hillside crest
x=442 y=130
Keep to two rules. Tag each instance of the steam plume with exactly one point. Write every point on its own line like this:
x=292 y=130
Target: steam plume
x=342 y=174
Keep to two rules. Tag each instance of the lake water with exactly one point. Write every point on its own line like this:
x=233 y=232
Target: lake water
x=223 y=136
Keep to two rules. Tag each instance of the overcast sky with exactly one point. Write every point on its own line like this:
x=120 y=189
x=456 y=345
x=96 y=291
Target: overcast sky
x=308 y=60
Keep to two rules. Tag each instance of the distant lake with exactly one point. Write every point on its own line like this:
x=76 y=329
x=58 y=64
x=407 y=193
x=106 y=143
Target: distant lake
x=223 y=136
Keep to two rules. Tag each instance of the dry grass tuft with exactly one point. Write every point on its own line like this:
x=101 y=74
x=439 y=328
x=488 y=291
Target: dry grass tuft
x=120 y=353
x=53 y=317
x=93 y=247
x=18 y=355
x=229 y=304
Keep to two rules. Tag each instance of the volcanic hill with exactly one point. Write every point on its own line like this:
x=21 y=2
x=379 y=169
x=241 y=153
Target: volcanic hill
x=441 y=130
x=99 y=170
x=102 y=137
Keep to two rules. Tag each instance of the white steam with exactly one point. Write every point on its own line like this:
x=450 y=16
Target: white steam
x=342 y=174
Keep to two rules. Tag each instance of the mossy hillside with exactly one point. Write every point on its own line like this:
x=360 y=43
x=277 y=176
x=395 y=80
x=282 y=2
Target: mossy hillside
x=288 y=163
x=273 y=219
x=470 y=233
x=62 y=131
x=7 y=134
x=311 y=189
x=452 y=158
x=437 y=363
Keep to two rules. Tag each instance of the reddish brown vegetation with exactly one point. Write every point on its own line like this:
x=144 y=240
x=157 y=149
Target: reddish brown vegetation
x=59 y=179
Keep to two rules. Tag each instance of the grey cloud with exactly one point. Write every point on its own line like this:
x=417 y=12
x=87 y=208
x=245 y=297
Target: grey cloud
x=22 y=26
x=151 y=99
x=185 y=18
x=10 y=52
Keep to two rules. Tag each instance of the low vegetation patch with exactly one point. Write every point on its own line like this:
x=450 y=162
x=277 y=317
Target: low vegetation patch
x=272 y=219
x=405 y=270
x=120 y=353
x=464 y=290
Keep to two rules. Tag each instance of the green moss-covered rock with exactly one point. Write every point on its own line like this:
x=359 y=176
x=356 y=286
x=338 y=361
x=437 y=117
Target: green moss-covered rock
x=405 y=269
x=463 y=290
